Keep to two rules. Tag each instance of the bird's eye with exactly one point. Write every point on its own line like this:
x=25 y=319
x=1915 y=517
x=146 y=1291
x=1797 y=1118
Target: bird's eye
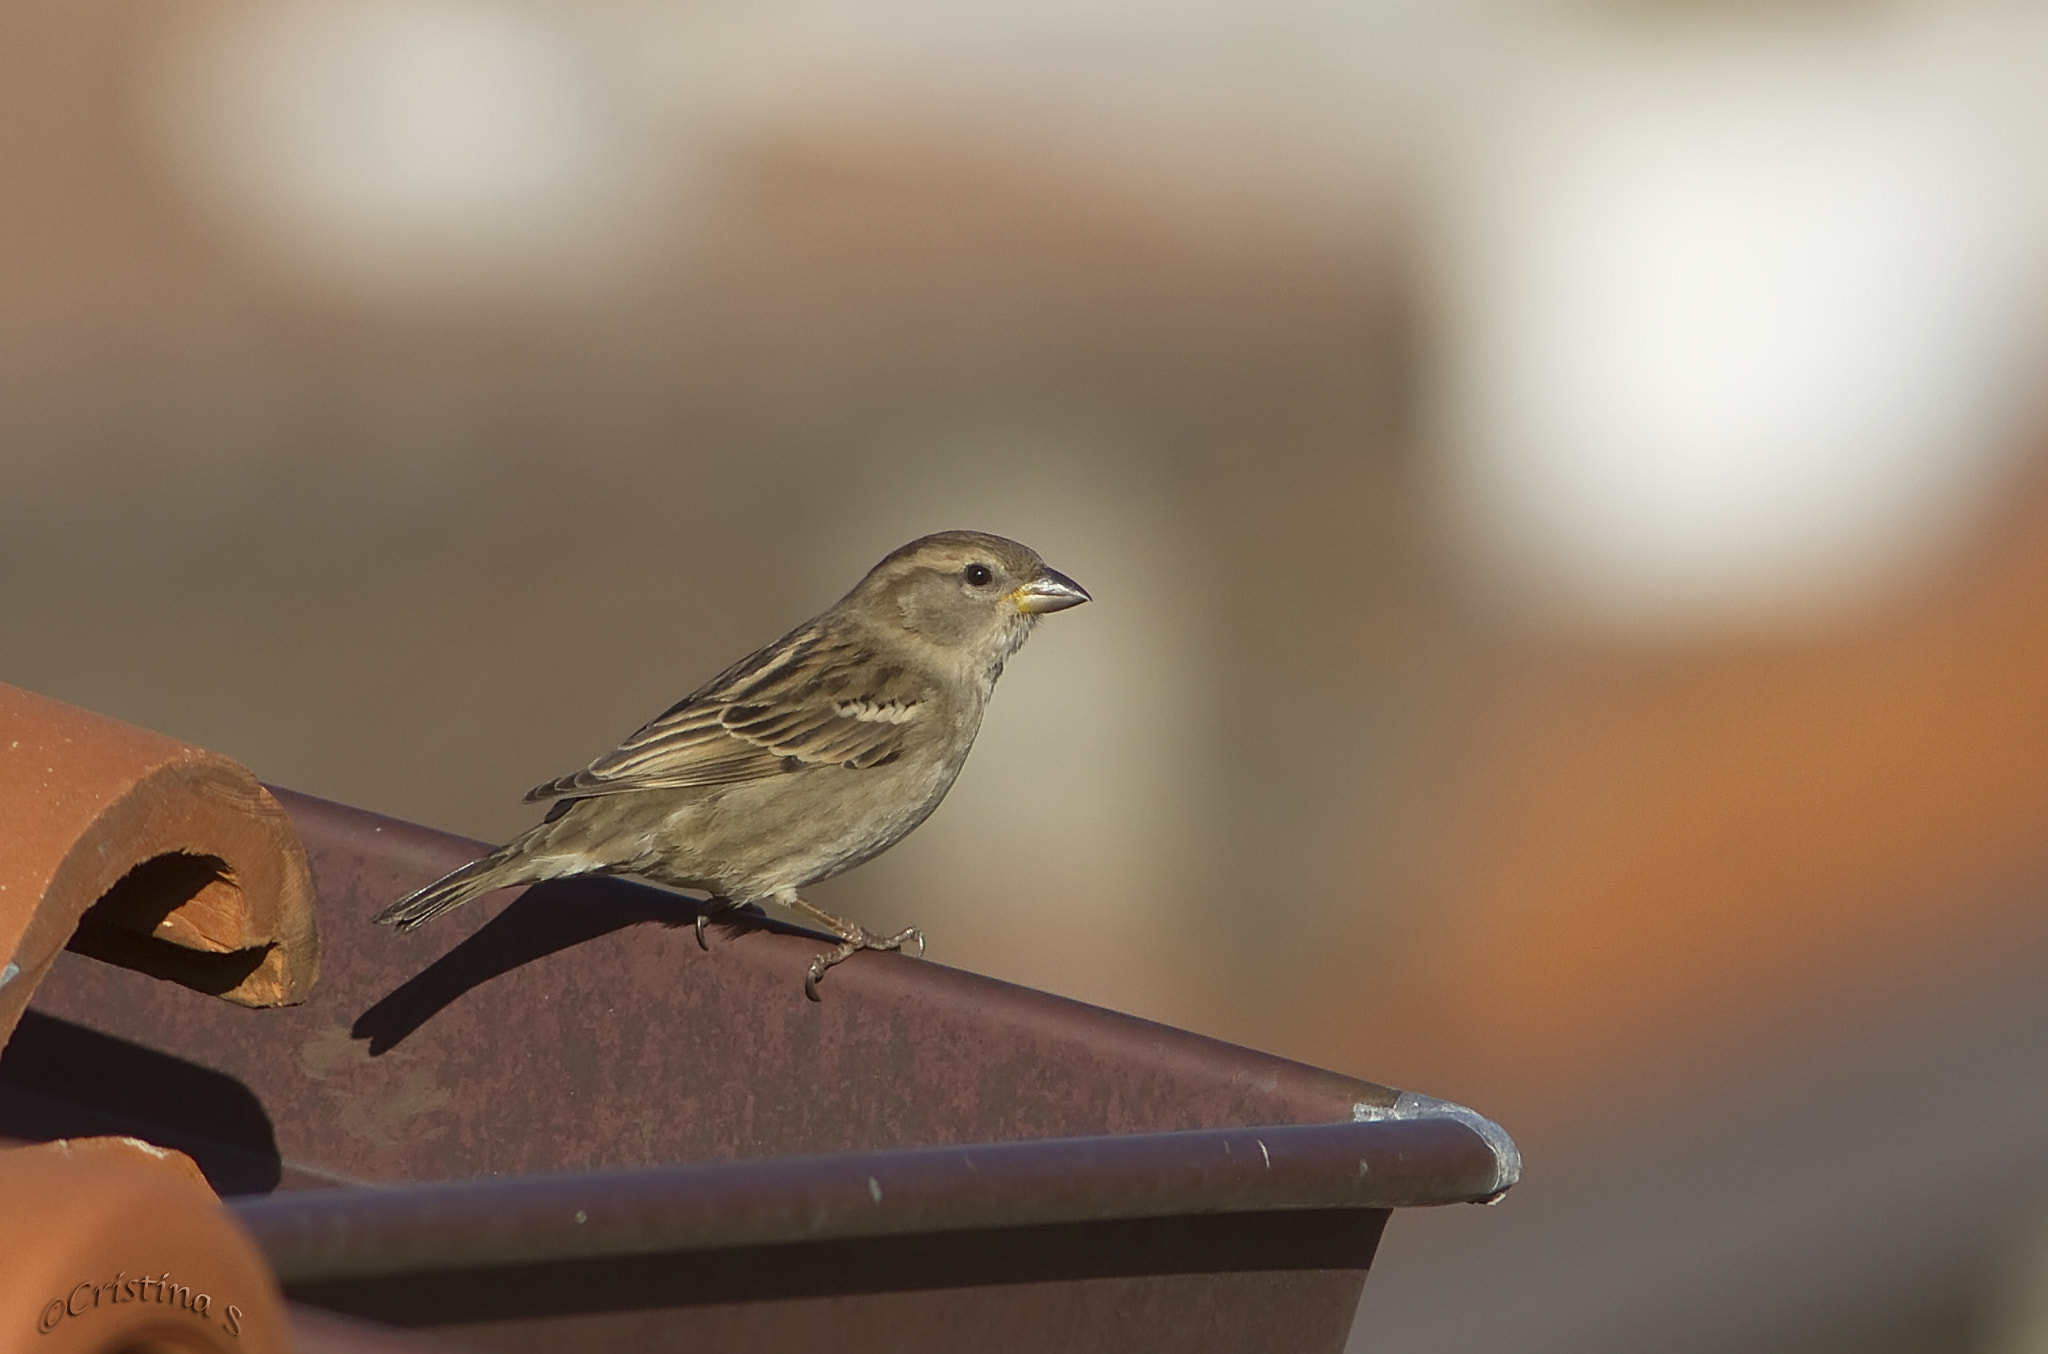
x=978 y=575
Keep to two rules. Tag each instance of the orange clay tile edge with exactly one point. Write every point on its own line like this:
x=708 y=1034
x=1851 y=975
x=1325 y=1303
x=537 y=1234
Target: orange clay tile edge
x=114 y=1244
x=84 y=799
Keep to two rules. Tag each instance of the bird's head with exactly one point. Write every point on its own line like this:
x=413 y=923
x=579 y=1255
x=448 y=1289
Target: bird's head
x=966 y=591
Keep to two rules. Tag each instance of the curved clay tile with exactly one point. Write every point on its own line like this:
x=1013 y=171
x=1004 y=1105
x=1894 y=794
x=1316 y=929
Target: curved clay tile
x=112 y=1244
x=145 y=852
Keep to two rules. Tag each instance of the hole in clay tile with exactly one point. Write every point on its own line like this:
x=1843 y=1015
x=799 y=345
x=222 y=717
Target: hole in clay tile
x=174 y=916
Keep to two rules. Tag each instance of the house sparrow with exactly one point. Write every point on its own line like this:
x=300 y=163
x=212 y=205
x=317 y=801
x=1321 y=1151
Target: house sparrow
x=807 y=758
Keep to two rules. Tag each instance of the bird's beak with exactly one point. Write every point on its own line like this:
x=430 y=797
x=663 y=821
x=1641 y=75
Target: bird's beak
x=1050 y=591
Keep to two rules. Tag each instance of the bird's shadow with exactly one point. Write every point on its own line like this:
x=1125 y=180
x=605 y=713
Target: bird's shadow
x=545 y=919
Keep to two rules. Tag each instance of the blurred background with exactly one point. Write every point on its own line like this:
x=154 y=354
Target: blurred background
x=1562 y=484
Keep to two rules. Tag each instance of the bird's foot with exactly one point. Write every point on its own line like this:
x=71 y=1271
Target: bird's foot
x=852 y=938
x=716 y=909
x=863 y=940
x=705 y=911
x=843 y=950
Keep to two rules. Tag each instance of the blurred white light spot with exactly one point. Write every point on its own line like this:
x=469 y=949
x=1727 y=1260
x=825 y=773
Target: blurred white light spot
x=424 y=150
x=1738 y=339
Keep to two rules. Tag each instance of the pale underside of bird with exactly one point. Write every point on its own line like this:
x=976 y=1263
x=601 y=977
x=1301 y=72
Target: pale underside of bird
x=803 y=759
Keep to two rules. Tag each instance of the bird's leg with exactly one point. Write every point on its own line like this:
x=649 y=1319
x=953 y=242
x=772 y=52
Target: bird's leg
x=852 y=937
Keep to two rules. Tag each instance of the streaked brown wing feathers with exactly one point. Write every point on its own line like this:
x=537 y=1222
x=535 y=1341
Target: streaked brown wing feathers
x=811 y=700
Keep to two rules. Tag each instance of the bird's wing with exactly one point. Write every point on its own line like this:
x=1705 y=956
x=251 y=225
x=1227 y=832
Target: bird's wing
x=812 y=699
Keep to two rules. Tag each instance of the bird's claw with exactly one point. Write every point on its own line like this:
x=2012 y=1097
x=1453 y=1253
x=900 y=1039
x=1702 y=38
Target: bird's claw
x=824 y=961
x=862 y=939
x=713 y=909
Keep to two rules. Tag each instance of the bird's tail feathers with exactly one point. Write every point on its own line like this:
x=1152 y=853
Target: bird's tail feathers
x=498 y=870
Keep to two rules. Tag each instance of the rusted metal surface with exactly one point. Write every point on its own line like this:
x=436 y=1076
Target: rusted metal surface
x=718 y=1116
x=321 y=1332
x=855 y=1195
x=1228 y=1282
